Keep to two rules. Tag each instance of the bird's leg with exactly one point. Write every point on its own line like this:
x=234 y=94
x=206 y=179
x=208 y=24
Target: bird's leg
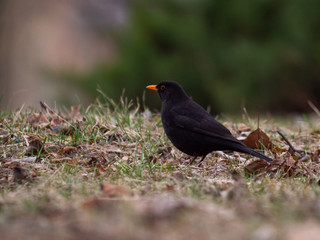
x=192 y=160
x=203 y=157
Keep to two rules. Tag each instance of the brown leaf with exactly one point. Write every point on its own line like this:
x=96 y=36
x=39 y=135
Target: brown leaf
x=101 y=169
x=67 y=130
x=61 y=160
x=4 y=136
x=55 y=122
x=256 y=138
x=236 y=176
x=73 y=162
x=169 y=188
x=178 y=175
x=37 y=119
x=277 y=149
x=95 y=203
x=243 y=128
x=113 y=149
x=35 y=146
x=32 y=118
x=67 y=150
x=59 y=125
x=256 y=167
x=316 y=155
x=290 y=167
x=147 y=188
x=19 y=173
x=75 y=114
x=93 y=161
x=111 y=190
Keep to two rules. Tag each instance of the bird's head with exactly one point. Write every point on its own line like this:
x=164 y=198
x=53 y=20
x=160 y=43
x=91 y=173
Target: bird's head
x=169 y=91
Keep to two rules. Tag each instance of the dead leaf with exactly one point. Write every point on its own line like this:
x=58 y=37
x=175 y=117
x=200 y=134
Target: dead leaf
x=277 y=149
x=125 y=158
x=103 y=128
x=147 y=188
x=111 y=190
x=37 y=119
x=75 y=114
x=178 y=175
x=94 y=203
x=113 y=149
x=243 y=128
x=6 y=164
x=316 y=155
x=162 y=207
x=67 y=130
x=236 y=176
x=60 y=160
x=256 y=167
x=5 y=136
x=93 y=161
x=20 y=173
x=56 y=121
x=304 y=158
x=58 y=125
x=73 y=162
x=284 y=167
x=256 y=138
x=35 y=146
x=101 y=169
x=290 y=167
x=169 y=188
x=68 y=149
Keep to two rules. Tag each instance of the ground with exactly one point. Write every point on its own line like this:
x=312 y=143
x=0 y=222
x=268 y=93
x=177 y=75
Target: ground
x=109 y=172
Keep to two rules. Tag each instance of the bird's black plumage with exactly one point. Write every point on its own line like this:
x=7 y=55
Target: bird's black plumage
x=191 y=129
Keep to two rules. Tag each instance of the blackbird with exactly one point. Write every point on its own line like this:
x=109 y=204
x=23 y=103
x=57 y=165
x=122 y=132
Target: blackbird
x=192 y=129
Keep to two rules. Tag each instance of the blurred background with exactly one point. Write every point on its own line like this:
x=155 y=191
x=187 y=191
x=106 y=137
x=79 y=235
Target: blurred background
x=226 y=54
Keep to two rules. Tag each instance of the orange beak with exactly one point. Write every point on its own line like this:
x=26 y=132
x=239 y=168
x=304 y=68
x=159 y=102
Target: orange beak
x=152 y=87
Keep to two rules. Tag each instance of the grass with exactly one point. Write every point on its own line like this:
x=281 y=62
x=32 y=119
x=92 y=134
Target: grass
x=109 y=171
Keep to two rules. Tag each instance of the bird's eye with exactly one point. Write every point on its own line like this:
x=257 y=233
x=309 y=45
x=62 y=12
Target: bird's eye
x=162 y=87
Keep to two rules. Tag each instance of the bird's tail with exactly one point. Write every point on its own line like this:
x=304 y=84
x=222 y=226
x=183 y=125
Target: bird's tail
x=241 y=147
x=259 y=155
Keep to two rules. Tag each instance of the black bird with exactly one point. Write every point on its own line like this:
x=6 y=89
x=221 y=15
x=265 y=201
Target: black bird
x=192 y=129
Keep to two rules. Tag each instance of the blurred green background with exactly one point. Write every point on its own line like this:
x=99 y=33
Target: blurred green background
x=226 y=54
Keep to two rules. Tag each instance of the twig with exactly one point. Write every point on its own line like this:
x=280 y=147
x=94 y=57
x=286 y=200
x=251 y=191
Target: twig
x=285 y=139
x=46 y=108
x=18 y=113
x=246 y=113
x=314 y=108
x=25 y=139
x=291 y=148
x=26 y=159
x=49 y=110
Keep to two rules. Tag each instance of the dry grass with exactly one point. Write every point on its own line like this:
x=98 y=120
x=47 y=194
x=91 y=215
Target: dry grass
x=109 y=172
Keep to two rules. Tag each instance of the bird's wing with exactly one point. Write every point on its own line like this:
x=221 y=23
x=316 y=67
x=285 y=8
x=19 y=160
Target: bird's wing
x=201 y=122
